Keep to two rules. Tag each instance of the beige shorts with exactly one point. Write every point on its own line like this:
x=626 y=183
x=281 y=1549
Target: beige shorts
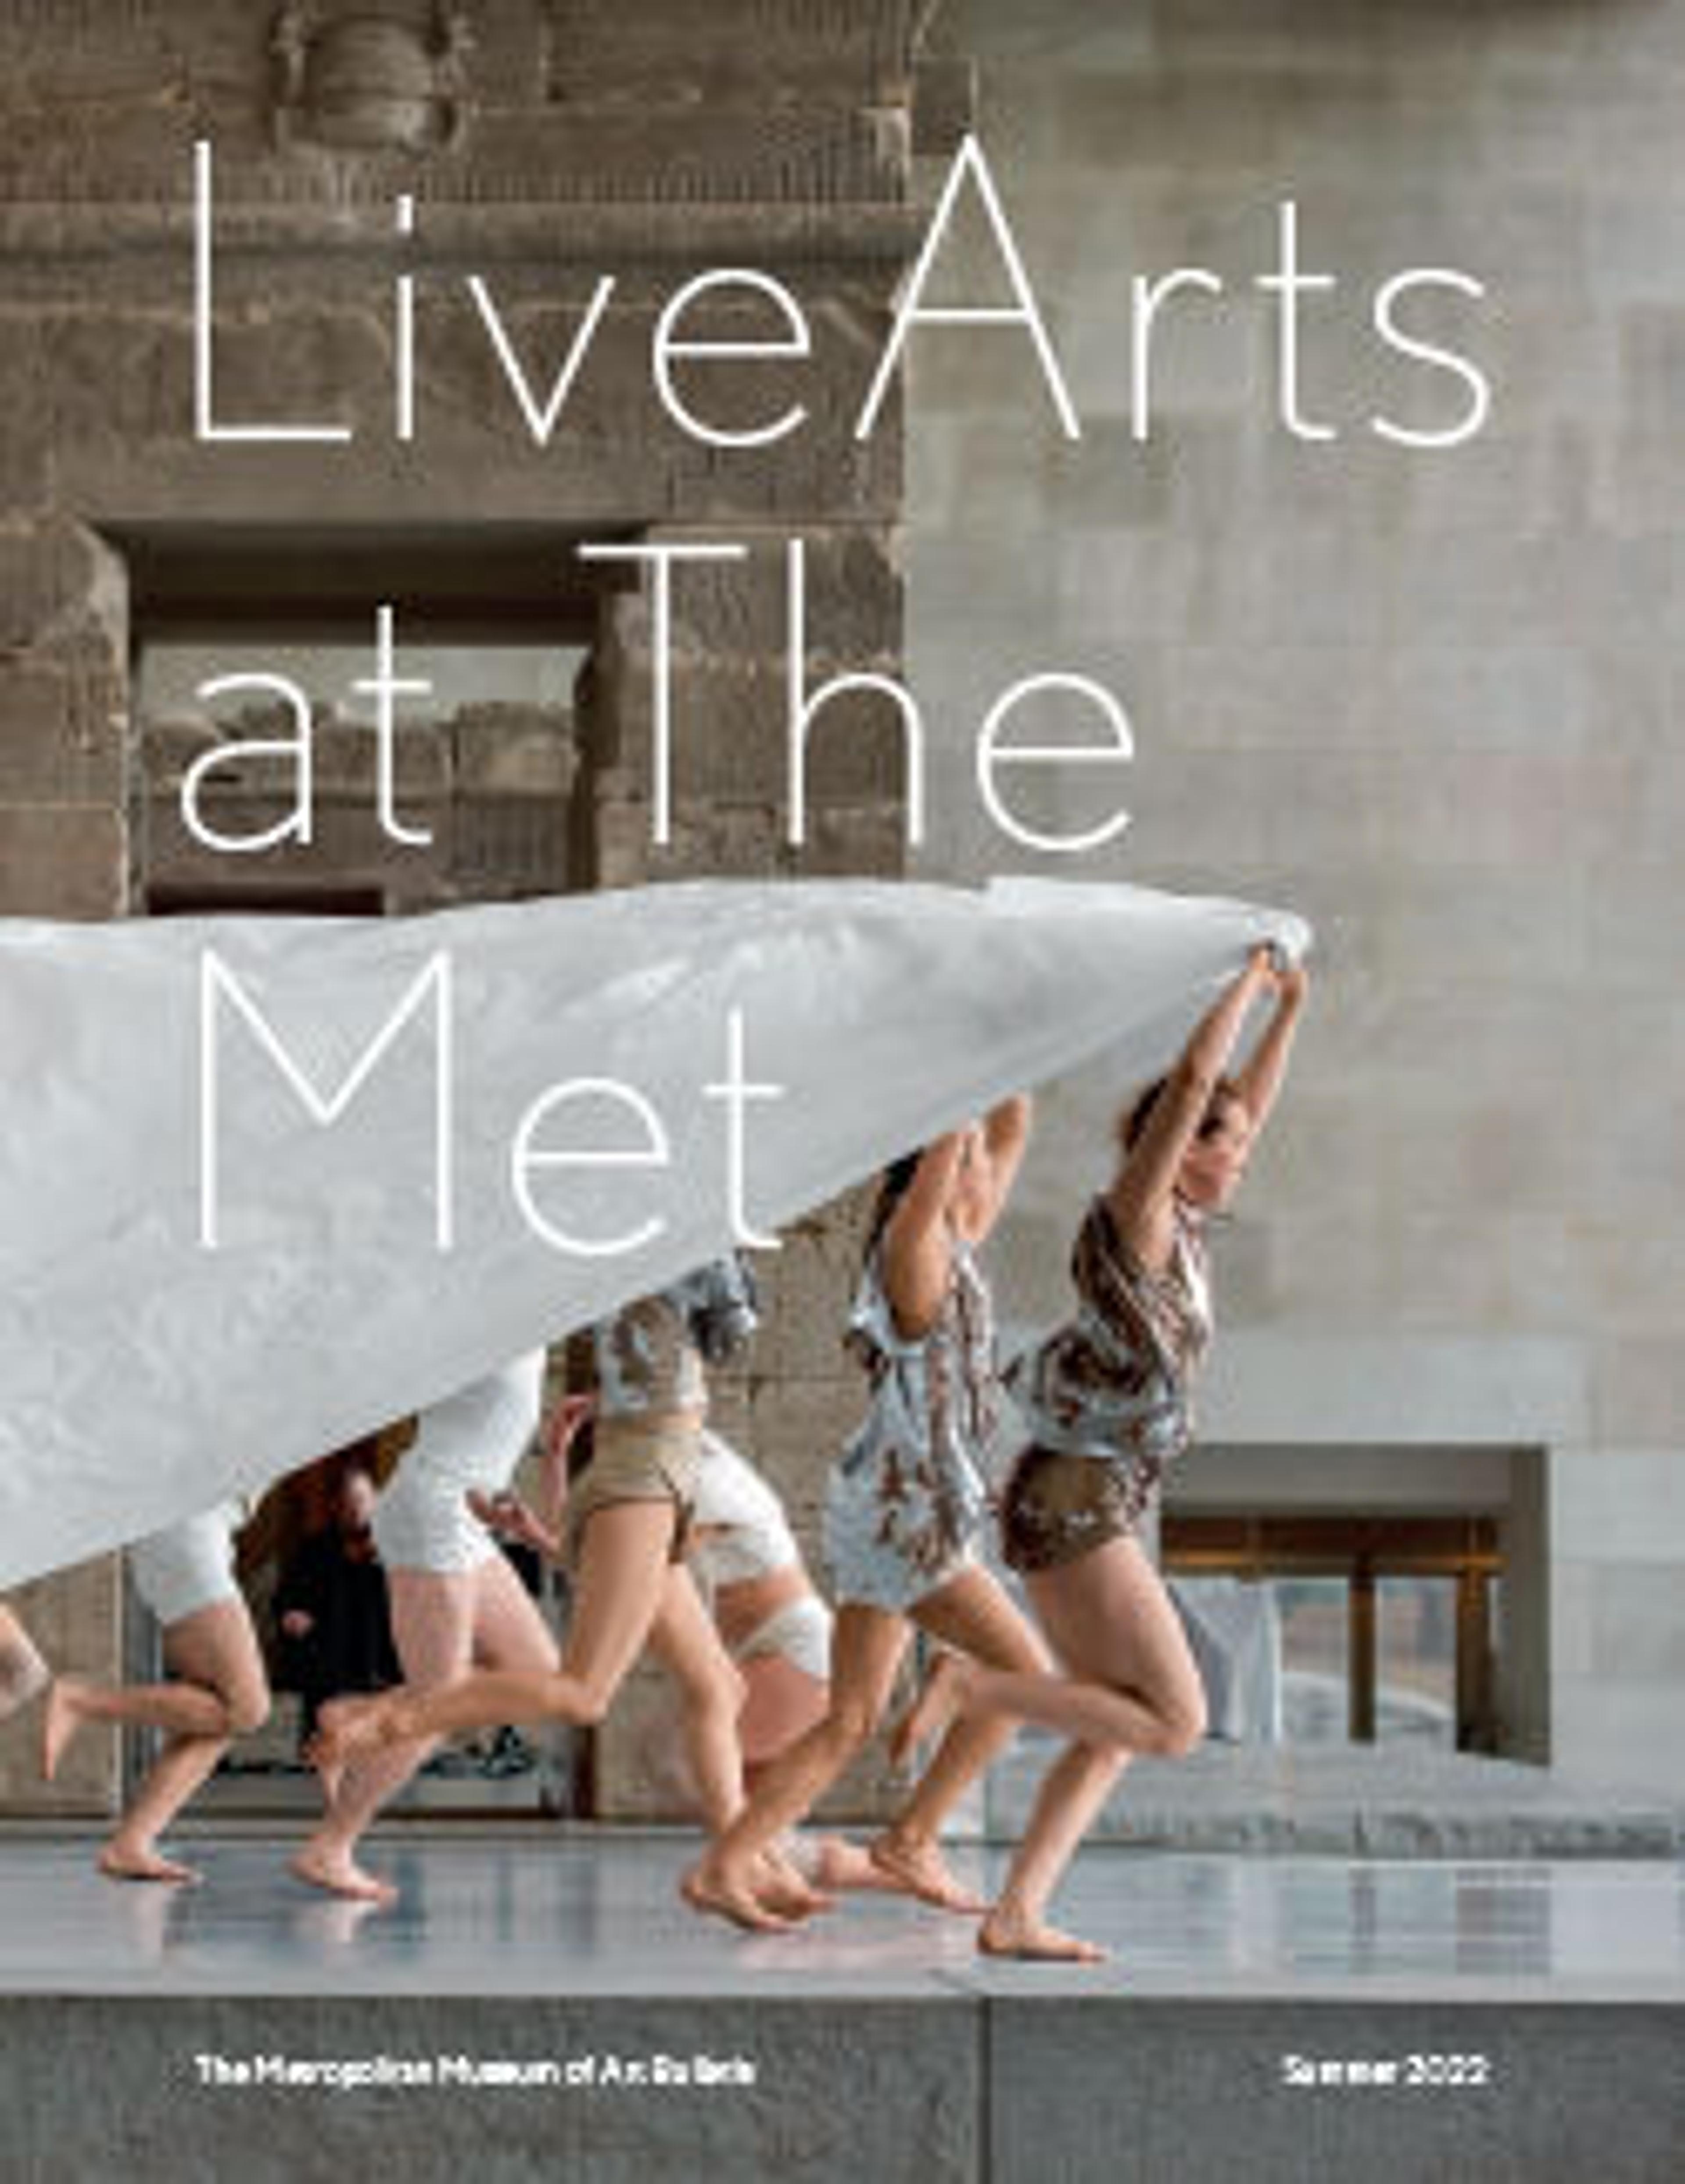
x=638 y=1459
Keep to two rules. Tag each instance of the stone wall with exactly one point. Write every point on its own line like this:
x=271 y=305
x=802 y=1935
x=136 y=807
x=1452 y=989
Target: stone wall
x=1432 y=700
x=558 y=144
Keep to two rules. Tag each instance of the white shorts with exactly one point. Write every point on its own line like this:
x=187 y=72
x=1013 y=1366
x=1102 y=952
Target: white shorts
x=188 y=1566
x=473 y=1439
x=799 y=1633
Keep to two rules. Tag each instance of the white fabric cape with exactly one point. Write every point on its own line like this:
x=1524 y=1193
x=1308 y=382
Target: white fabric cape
x=144 y=1377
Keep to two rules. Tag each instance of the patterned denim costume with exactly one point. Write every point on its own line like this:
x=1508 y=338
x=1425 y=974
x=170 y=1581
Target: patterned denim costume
x=1107 y=1396
x=649 y=1356
x=906 y=1499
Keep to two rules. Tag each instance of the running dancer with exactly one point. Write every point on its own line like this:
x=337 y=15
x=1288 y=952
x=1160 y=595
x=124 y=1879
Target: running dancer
x=455 y=1598
x=1107 y=1397
x=903 y=1512
x=629 y=1513
x=185 y=1575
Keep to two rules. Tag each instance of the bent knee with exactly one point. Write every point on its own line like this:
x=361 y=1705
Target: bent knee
x=1181 y=1727
x=248 y=1710
x=583 y=1701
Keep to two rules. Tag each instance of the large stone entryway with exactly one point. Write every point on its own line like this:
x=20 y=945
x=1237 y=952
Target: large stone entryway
x=541 y=148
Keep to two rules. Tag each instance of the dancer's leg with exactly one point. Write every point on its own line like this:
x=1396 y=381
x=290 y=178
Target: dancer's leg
x=215 y=1651
x=867 y=1644
x=432 y=1626
x=683 y=1639
x=1131 y=1682
x=1072 y=1791
x=510 y=1630
x=780 y=1701
x=1112 y=1623
x=976 y=1613
x=623 y=1561
x=23 y=1673
x=183 y=1709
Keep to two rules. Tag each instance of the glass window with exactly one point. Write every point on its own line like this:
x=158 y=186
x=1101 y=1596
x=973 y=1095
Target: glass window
x=1417 y=1661
x=1316 y=1670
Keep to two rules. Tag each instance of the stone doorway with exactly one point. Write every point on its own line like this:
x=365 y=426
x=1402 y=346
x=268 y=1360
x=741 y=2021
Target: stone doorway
x=562 y=147
x=487 y=761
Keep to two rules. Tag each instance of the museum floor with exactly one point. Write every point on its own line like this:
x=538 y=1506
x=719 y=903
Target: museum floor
x=532 y=1909
x=1276 y=2017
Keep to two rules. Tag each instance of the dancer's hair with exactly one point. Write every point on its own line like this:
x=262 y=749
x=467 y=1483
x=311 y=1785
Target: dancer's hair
x=893 y=1187
x=1135 y=1117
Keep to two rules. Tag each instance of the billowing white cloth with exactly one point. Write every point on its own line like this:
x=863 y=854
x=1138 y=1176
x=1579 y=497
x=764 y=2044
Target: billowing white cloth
x=144 y=1377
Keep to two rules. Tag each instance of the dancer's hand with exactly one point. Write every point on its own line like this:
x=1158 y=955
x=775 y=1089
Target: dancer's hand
x=1291 y=986
x=558 y=1431
x=510 y=1518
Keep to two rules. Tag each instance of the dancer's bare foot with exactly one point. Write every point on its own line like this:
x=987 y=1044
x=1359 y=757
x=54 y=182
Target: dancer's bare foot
x=781 y=1887
x=921 y=1870
x=60 y=1718
x=835 y=1864
x=944 y=1695
x=339 y=1874
x=1009 y=1934
x=121 y=1861
x=715 y=1891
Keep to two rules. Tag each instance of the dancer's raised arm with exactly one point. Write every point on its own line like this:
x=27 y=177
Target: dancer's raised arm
x=1259 y=1082
x=556 y=1437
x=1186 y=1107
x=914 y=1248
x=1006 y=1133
x=962 y=1180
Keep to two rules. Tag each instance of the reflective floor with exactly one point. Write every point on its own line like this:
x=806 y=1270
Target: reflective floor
x=566 y=1912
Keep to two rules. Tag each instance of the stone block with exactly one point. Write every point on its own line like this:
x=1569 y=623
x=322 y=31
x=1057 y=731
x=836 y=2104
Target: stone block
x=1638 y=1635
x=74 y=1619
x=811 y=1284
x=731 y=736
x=63 y=592
x=1317 y=1388
x=510 y=844
x=855 y=842
x=1619 y=1505
x=95 y=2072
x=513 y=750
x=1627 y=1732
x=62 y=861
x=346 y=851
x=62 y=737
x=1190 y=2081
x=1638 y=1393
x=722 y=611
